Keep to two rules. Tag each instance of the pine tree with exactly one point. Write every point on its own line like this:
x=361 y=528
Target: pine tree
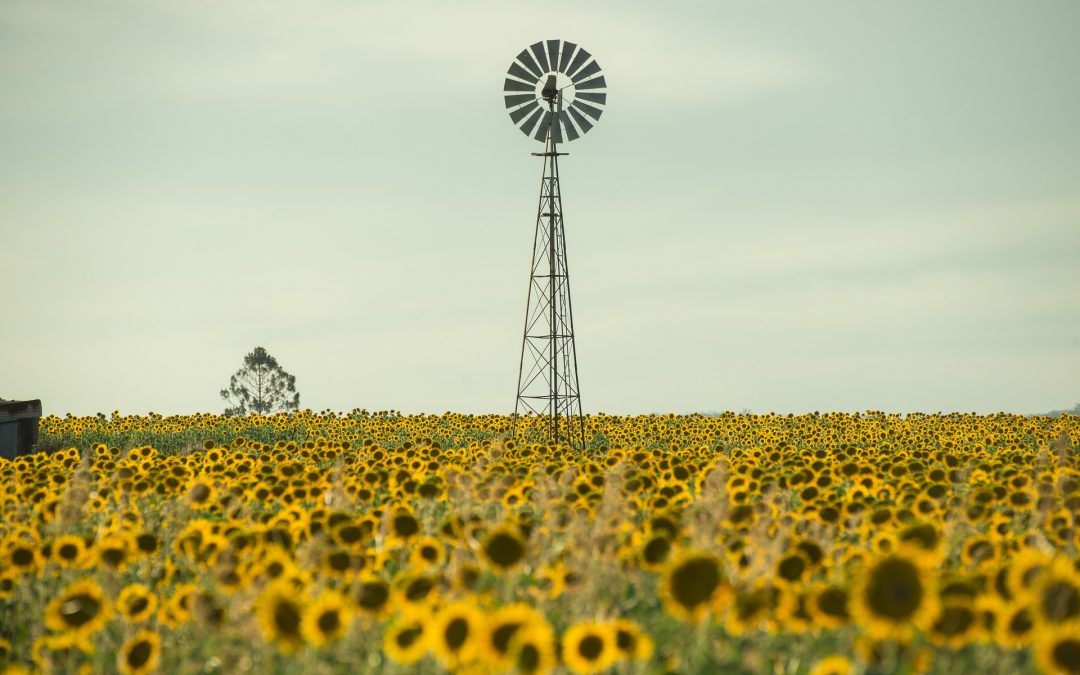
x=260 y=386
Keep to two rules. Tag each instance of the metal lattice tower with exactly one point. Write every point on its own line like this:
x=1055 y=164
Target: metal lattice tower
x=564 y=88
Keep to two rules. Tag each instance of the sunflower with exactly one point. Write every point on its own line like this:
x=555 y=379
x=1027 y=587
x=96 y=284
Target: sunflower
x=504 y=548
x=692 y=585
x=631 y=642
x=589 y=647
x=499 y=631
x=280 y=611
x=532 y=649
x=829 y=606
x=7 y=584
x=80 y=610
x=405 y=642
x=22 y=556
x=69 y=551
x=894 y=594
x=1056 y=593
x=1015 y=626
x=371 y=595
x=455 y=633
x=428 y=552
x=136 y=603
x=114 y=551
x=833 y=665
x=326 y=619
x=956 y=625
x=1057 y=649
x=140 y=654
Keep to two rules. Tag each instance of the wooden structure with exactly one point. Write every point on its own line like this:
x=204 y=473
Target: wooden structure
x=18 y=427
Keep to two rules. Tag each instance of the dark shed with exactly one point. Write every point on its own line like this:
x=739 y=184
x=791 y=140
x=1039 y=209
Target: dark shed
x=18 y=426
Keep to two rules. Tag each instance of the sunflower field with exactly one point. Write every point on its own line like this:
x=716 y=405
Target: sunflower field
x=390 y=543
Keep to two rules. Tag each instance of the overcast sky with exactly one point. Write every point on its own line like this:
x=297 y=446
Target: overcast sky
x=787 y=206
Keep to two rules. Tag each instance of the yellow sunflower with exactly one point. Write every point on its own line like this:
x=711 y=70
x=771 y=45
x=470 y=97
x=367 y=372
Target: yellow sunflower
x=499 y=631
x=894 y=594
x=136 y=603
x=280 y=611
x=405 y=642
x=631 y=641
x=504 y=548
x=326 y=619
x=140 y=654
x=80 y=610
x=589 y=647
x=455 y=633
x=1055 y=594
x=1057 y=649
x=693 y=584
x=532 y=649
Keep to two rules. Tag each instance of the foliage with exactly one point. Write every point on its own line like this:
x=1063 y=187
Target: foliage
x=261 y=386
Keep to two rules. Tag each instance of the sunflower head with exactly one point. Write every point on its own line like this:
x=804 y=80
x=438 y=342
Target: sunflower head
x=693 y=584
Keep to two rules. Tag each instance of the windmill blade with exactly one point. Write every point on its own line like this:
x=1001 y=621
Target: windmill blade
x=587 y=109
x=517 y=115
x=514 y=100
x=556 y=129
x=586 y=72
x=595 y=83
x=520 y=73
x=527 y=60
x=514 y=85
x=567 y=52
x=580 y=119
x=553 y=48
x=592 y=96
x=542 y=128
x=527 y=128
x=579 y=60
x=541 y=57
x=571 y=132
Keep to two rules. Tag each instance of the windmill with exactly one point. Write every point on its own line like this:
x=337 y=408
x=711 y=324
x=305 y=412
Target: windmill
x=554 y=91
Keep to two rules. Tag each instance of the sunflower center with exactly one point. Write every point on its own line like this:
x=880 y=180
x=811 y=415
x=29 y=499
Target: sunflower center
x=1060 y=601
x=502 y=635
x=372 y=596
x=137 y=605
x=405 y=525
x=79 y=610
x=329 y=622
x=657 y=550
x=895 y=591
x=22 y=557
x=139 y=654
x=1067 y=655
x=456 y=632
x=504 y=549
x=69 y=551
x=529 y=658
x=833 y=601
x=407 y=637
x=955 y=620
x=792 y=567
x=694 y=582
x=591 y=647
x=286 y=618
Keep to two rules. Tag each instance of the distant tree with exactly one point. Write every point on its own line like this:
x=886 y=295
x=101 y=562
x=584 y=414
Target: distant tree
x=260 y=386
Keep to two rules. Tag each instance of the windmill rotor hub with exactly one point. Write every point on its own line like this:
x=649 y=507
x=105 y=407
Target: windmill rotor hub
x=555 y=72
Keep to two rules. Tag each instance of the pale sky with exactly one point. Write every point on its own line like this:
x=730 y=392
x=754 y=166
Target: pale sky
x=787 y=206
